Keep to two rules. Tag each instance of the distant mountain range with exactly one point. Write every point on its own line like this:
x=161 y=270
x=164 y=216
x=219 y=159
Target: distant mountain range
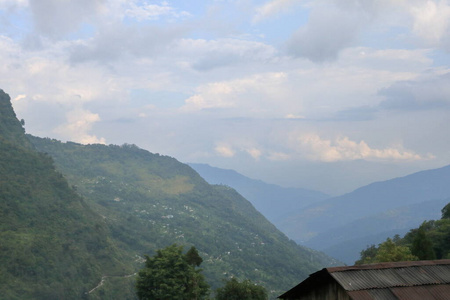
x=343 y=226
x=273 y=201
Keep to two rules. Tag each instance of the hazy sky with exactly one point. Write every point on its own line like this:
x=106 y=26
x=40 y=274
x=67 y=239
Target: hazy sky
x=324 y=94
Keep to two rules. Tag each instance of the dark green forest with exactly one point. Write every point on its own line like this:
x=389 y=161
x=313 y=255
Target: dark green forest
x=78 y=220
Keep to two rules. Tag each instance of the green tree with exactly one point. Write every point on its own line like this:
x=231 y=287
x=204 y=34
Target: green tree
x=367 y=256
x=446 y=212
x=170 y=275
x=245 y=290
x=422 y=246
x=193 y=258
x=390 y=251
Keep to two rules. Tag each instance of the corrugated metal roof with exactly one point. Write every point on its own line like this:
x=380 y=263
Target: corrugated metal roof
x=403 y=280
x=379 y=294
x=354 y=279
x=435 y=292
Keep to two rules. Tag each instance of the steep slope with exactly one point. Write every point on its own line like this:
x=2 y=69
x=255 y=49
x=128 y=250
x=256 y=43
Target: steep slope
x=52 y=246
x=321 y=220
x=271 y=200
x=150 y=201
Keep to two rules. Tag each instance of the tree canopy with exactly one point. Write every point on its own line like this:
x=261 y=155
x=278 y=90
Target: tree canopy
x=430 y=241
x=245 y=290
x=172 y=275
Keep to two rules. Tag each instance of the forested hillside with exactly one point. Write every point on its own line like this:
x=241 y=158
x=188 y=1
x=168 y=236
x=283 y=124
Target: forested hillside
x=150 y=201
x=52 y=245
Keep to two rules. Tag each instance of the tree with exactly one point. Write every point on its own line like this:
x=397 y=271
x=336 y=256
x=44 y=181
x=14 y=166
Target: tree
x=386 y=252
x=245 y=290
x=170 y=275
x=193 y=258
x=446 y=212
x=389 y=251
x=367 y=256
x=422 y=246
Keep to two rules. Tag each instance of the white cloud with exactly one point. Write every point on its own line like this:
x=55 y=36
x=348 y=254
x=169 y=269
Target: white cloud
x=254 y=152
x=153 y=11
x=20 y=97
x=224 y=150
x=273 y=8
x=344 y=149
x=278 y=156
x=255 y=95
x=79 y=123
x=431 y=20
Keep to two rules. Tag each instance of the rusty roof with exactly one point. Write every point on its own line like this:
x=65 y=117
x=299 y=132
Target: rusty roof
x=395 y=280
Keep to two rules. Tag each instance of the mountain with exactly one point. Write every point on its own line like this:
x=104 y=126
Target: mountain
x=150 y=201
x=273 y=201
x=80 y=230
x=52 y=245
x=415 y=197
x=346 y=242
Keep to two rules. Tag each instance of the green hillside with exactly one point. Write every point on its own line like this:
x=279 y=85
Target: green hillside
x=52 y=245
x=150 y=201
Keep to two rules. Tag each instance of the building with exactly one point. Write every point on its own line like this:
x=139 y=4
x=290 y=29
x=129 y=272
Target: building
x=411 y=280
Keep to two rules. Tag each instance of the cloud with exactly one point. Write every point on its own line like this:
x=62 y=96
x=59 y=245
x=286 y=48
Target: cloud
x=254 y=95
x=211 y=54
x=344 y=149
x=118 y=42
x=224 y=150
x=8 y=4
x=254 y=152
x=79 y=123
x=431 y=91
x=278 y=156
x=273 y=8
x=328 y=31
x=153 y=11
x=20 y=97
x=431 y=22
x=56 y=18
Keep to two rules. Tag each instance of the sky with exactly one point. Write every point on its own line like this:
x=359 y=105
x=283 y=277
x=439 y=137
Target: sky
x=327 y=95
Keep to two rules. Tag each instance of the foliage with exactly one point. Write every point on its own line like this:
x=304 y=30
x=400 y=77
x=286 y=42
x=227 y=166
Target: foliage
x=149 y=201
x=245 y=290
x=446 y=212
x=422 y=246
x=388 y=251
x=367 y=255
x=52 y=245
x=430 y=241
x=171 y=275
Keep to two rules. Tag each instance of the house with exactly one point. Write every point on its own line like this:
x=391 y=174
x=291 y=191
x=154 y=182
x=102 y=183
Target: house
x=411 y=280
